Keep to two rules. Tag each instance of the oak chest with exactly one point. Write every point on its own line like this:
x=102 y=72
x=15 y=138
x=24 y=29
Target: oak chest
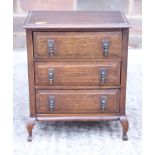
x=77 y=66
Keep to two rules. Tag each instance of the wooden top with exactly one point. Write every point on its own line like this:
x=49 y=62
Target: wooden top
x=75 y=20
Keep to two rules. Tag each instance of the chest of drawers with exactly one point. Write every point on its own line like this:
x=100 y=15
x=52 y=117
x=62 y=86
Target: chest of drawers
x=77 y=66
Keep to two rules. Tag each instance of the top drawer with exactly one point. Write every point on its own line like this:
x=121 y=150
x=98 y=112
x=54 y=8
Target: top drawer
x=57 y=45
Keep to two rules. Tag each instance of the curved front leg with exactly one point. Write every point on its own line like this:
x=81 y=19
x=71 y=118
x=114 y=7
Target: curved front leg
x=30 y=126
x=125 y=125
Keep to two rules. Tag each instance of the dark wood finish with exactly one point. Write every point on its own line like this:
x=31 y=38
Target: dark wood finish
x=30 y=126
x=77 y=73
x=77 y=118
x=77 y=44
x=75 y=87
x=124 y=70
x=123 y=118
x=115 y=58
x=77 y=101
x=93 y=115
x=31 y=72
x=125 y=126
x=75 y=20
x=77 y=59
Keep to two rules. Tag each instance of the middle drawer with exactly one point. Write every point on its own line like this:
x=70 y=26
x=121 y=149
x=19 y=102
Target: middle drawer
x=77 y=73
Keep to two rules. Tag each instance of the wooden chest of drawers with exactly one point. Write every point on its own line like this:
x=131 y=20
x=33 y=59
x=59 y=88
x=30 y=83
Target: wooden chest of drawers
x=77 y=66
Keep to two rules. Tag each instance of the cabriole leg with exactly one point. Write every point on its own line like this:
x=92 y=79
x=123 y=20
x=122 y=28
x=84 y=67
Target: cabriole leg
x=125 y=125
x=30 y=126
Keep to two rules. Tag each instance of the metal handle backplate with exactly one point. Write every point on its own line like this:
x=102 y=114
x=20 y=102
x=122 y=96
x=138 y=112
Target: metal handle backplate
x=51 y=102
x=103 y=73
x=103 y=102
x=50 y=47
x=50 y=75
x=105 y=47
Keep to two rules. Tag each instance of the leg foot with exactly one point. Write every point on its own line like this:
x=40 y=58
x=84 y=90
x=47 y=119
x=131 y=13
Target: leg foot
x=30 y=126
x=125 y=125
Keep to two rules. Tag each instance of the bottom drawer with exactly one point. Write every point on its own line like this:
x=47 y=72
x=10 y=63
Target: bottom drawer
x=77 y=101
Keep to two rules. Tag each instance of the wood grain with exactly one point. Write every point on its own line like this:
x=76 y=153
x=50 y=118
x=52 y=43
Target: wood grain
x=77 y=44
x=124 y=71
x=76 y=87
x=31 y=72
x=77 y=101
x=77 y=73
x=83 y=20
x=77 y=118
x=85 y=115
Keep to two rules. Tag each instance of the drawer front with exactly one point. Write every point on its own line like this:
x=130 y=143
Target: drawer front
x=77 y=101
x=77 y=44
x=77 y=73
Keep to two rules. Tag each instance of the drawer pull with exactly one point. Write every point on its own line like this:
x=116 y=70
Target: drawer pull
x=103 y=102
x=50 y=75
x=105 y=47
x=51 y=102
x=50 y=47
x=103 y=75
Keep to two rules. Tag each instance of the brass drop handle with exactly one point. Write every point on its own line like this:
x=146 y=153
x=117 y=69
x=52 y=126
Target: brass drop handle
x=51 y=102
x=50 y=47
x=103 y=102
x=50 y=75
x=105 y=47
x=103 y=75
